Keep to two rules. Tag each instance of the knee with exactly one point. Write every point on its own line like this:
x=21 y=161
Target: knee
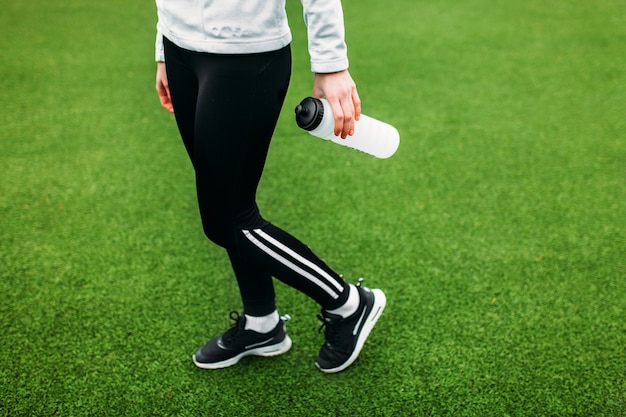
x=222 y=228
x=218 y=231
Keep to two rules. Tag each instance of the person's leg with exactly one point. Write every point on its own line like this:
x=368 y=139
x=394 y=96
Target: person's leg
x=194 y=80
x=215 y=155
x=238 y=103
x=237 y=100
x=294 y=263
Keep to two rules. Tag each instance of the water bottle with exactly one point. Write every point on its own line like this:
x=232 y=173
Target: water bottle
x=370 y=135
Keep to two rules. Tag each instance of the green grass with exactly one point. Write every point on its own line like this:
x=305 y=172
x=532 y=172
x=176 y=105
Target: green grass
x=498 y=231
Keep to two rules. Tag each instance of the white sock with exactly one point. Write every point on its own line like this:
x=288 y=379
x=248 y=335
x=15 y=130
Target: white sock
x=350 y=306
x=262 y=324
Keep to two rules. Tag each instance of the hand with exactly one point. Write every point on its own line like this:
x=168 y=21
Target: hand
x=163 y=88
x=340 y=91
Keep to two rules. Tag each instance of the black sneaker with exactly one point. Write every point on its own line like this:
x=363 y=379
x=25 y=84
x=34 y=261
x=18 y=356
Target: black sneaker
x=345 y=337
x=227 y=349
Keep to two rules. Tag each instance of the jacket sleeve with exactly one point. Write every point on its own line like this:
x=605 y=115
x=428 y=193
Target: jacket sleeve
x=159 y=53
x=326 y=35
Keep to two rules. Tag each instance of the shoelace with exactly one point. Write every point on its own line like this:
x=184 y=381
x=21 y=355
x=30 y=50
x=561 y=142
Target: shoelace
x=235 y=329
x=327 y=323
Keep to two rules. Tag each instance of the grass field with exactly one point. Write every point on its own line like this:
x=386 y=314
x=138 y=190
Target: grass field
x=498 y=230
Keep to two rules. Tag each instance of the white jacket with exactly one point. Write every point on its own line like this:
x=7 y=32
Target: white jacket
x=251 y=26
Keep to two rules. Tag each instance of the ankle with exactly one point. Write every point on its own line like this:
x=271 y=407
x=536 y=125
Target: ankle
x=262 y=324
x=350 y=306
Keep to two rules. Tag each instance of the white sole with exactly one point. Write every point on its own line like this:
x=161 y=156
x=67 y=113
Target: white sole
x=266 y=351
x=380 y=301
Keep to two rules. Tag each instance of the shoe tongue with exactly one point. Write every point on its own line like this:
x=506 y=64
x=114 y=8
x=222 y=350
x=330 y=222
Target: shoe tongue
x=329 y=317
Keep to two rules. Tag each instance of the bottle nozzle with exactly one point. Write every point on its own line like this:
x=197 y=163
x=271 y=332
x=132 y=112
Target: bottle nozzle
x=309 y=113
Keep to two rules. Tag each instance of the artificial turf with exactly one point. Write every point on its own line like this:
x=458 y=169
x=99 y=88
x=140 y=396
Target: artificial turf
x=498 y=230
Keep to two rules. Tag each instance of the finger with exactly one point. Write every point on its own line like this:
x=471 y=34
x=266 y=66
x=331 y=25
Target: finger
x=166 y=102
x=357 y=104
x=347 y=107
x=335 y=105
x=170 y=105
x=164 y=96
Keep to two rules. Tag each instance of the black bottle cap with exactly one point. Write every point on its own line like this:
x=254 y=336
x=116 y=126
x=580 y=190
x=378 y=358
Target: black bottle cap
x=309 y=113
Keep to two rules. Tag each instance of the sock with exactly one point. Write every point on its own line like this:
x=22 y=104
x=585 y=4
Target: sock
x=350 y=306
x=262 y=324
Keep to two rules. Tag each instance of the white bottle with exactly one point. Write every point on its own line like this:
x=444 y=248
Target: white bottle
x=370 y=135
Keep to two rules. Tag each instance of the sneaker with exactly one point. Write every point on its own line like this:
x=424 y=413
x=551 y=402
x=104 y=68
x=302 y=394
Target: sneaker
x=345 y=336
x=227 y=349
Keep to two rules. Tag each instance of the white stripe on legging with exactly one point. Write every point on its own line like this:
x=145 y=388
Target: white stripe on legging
x=290 y=264
x=300 y=258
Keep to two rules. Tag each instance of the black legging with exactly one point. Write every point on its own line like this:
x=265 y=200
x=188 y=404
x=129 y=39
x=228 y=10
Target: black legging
x=226 y=108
